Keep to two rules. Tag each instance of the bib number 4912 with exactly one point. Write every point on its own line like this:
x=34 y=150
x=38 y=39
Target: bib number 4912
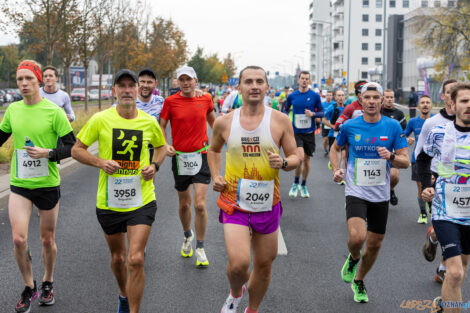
x=32 y=163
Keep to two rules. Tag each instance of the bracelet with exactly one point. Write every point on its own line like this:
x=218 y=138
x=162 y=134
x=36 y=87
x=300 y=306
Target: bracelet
x=157 y=166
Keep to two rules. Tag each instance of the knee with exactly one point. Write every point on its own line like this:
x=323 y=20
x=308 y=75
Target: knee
x=239 y=269
x=374 y=246
x=263 y=269
x=47 y=240
x=356 y=238
x=136 y=260
x=118 y=259
x=455 y=275
x=200 y=208
x=185 y=206
x=20 y=242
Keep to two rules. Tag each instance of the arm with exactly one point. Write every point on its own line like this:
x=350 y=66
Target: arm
x=288 y=145
x=148 y=172
x=214 y=155
x=425 y=130
x=58 y=153
x=68 y=110
x=4 y=137
x=80 y=153
x=423 y=162
x=327 y=123
x=338 y=173
x=403 y=121
x=211 y=118
x=170 y=149
x=402 y=160
x=287 y=105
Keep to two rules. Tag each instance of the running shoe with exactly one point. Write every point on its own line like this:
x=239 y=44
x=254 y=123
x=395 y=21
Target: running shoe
x=422 y=219
x=231 y=304
x=47 y=294
x=437 y=305
x=27 y=296
x=123 y=306
x=304 y=192
x=429 y=248
x=348 y=272
x=360 y=292
x=343 y=183
x=201 y=258
x=187 y=248
x=326 y=154
x=294 y=190
x=393 y=198
x=329 y=166
x=440 y=276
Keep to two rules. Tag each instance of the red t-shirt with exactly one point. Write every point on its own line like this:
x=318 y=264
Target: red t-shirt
x=353 y=110
x=188 y=118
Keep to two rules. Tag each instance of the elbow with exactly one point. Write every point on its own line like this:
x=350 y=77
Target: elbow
x=74 y=152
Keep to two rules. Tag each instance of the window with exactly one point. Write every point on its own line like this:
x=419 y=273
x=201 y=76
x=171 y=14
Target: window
x=365 y=17
x=378 y=4
x=424 y=3
x=363 y=75
x=378 y=32
x=365 y=61
x=365 y=32
x=437 y=4
x=451 y=4
x=365 y=3
x=378 y=18
x=365 y=46
x=393 y=3
x=406 y=3
x=378 y=60
x=378 y=46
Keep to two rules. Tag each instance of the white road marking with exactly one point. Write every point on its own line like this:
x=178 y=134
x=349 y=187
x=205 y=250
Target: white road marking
x=281 y=244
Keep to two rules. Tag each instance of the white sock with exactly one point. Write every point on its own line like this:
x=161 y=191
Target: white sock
x=442 y=267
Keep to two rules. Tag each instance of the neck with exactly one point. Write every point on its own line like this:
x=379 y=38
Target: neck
x=191 y=94
x=127 y=112
x=252 y=109
x=461 y=126
x=33 y=99
x=448 y=110
x=303 y=89
x=50 y=89
x=425 y=115
x=144 y=99
x=372 y=118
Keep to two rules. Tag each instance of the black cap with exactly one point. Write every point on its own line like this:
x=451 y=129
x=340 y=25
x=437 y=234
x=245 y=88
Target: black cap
x=125 y=72
x=149 y=72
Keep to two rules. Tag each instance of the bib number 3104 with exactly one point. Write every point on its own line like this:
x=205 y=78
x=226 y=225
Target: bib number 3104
x=189 y=163
x=255 y=195
x=124 y=192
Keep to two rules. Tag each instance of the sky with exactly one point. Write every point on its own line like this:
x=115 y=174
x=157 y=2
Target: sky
x=273 y=34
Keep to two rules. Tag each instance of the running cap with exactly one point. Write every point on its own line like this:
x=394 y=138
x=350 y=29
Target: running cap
x=358 y=86
x=149 y=72
x=125 y=72
x=372 y=86
x=186 y=70
x=32 y=67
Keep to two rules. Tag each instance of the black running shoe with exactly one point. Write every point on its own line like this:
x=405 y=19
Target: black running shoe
x=393 y=198
x=27 y=296
x=47 y=294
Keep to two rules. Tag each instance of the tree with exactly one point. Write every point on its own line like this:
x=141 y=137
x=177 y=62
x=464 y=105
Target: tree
x=9 y=59
x=229 y=64
x=198 y=63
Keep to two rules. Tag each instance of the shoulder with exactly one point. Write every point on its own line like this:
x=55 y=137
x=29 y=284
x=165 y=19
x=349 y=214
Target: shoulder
x=390 y=122
x=223 y=122
x=206 y=97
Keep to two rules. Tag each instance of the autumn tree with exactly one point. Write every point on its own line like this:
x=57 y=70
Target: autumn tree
x=9 y=59
x=229 y=64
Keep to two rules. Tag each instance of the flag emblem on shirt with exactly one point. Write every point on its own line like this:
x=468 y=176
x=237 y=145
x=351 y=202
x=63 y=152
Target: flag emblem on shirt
x=383 y=138
x=357 y=137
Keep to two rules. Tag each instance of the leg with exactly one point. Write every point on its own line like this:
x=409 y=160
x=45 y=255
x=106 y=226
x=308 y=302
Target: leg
x=118 y=249
x=301 y=154
x=394 y=177
x=47 y=225
x=184 y=209
x=137 y=237
x=19 y=211
x=264 y=253
x=237 y=243
x=200 y=222
x=305 y=166
x=373 y=244
x=325 y=143
x=455 y=275
x=357 y=232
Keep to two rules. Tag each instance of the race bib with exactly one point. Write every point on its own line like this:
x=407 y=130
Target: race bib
x=302 y=121
x=370 y=172
x=27 y=167
x=124 y=192
x=255 y=195
x=335 y=134
x=189 y=163
x=326 y=127
x=457 y=200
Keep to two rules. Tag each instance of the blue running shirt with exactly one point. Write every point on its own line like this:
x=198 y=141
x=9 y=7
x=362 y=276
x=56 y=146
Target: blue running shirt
x=299 y=102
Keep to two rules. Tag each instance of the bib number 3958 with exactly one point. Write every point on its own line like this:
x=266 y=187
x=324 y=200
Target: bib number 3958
x=124 y=192
x=255 y=195
x=189 y=163
x=27 y=167
x=370 y=172
x=457 y=200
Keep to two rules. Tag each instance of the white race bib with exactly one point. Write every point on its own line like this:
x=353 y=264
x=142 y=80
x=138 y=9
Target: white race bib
x=255 y=195
x=370 y=172
x=27 y=167
x=189 y=163
x=302 y=121
x=326 y=127
x=457 y=200
x=124 y=192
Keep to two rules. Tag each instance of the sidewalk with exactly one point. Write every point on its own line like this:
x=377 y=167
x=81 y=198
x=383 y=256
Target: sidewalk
x=64 y=166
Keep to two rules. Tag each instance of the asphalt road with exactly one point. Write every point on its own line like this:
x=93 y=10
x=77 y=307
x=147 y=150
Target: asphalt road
x=307 y=279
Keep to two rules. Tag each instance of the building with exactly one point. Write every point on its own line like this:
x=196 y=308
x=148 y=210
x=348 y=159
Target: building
x=320 y=40
x=394 y=48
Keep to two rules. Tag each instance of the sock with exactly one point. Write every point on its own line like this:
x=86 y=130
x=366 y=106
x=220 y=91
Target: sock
x=442 y=267
x=356 y=281
x=248 y=310
x=304 y=182
x=188 y=233
x=432 y=241
x=122 y=298
x=296 y=179
x=422 y=206
x=234 y=296
x=352 y=261
x=199 y=244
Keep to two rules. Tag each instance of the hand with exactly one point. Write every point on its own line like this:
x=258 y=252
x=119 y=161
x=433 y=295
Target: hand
x=148 y=172
x=410 y=140
x=384 y=153
x=338 y=175
x=275 y=160
x=309 y=113
x=428 y=194
x=198 y=93
x=109 y=166
x=170 y=151
x=69 y=117
x=36 y=152
x=219 y=183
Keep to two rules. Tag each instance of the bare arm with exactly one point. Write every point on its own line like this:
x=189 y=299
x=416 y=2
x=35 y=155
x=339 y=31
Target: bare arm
x=338 y=173
x=327 y=123
x=402 y=160
x=170 y=150
x=214 y=155
x=148 y=172
x=211 y=118
x=80 y=153
x=288 y=143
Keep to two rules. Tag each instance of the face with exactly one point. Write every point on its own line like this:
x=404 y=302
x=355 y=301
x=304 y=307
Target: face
x=174 y=83
x=27 y=83
x=187 y=84
x=371 y=101
x=49 y=78
x=303 y=80
x=389 y=99
x=125 y=90
x=424 y=105
x=462 y=107
x=146 y=85
x=445 y=96
x=340 y=98
x=253 y=86
x=329 y=96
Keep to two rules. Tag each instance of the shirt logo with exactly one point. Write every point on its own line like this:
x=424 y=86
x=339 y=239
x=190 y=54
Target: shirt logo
x=357 y=138
x=127 y=146
x=383 y=138
x=251 y=146
x=371 y=141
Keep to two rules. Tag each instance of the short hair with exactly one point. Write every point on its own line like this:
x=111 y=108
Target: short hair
x=252 y=67
x=424 y=96
x=454 y=92
x=304 y=72
x=50 y=67
x=389 y=90
x=336 y=90
x=447 y=82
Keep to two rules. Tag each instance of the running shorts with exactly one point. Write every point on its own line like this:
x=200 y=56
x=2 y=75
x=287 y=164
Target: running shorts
x=374 y=213
x=454 y=238
x=43 y=198
x=306 y=141
x=182 y=182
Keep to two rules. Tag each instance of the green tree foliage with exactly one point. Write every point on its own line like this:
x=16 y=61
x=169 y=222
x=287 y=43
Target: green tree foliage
x=9 y=59
x=210 y=69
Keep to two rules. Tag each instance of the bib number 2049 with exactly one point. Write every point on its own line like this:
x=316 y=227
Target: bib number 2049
x=257 y=196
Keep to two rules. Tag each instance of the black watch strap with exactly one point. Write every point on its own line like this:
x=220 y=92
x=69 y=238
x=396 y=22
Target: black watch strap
x=284 y=163
x=157 y=166
x=392 y=156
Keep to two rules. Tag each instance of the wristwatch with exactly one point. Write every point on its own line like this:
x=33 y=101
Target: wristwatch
x=284 y=163
x=392 y=156
x=50 y=154
x=157 y=167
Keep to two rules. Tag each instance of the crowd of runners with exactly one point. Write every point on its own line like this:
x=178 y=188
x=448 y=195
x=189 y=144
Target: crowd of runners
x=262 y=131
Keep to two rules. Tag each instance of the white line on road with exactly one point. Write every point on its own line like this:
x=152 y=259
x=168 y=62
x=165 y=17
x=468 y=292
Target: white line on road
x=281 y=244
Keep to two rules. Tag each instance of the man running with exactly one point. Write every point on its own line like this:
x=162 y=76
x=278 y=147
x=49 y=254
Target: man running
x=353 y=109
x=35 y=123
x=125 y=200
x=375 y=142
x=306 y=106
x=50 y=76
x=327 y=104
x=414 y=126
x=189 y=116
x=449 y=144
x=250 y=200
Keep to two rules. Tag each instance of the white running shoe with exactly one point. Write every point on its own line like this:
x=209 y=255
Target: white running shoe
x=187 y=248
x=294 y=190
x=231 y=304
x=201 y=258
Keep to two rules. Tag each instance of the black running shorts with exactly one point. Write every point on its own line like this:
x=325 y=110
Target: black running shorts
x=182 y=182
x=454 y=238
x=374 y=213
x=306 y=141
x=43 y=198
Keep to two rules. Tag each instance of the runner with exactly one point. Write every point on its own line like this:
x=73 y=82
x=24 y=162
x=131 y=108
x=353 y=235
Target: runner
x=325 y=129
x=174 y=87
x=414 y=126
x=273 y=101
x=445 y=115
x=250 y=199
x=125 y=200
x=353 y=109
x=306 y=106
x=189 y=116
x=449 y=144
x=371 y=139
x=35 y=123
x=389 y=110
x=283 y=97
x=50 y=76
